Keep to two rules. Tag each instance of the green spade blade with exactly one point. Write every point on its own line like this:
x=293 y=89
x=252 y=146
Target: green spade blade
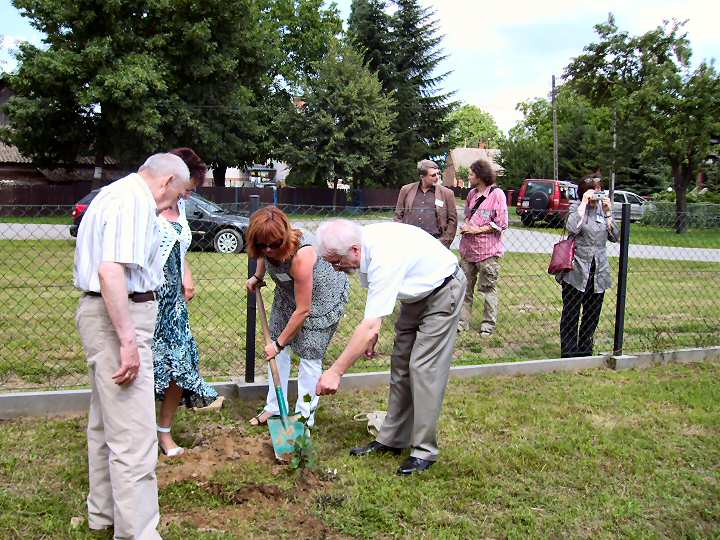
x=284 y=435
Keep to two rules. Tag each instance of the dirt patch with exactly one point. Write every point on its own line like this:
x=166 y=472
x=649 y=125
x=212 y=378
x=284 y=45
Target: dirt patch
x=284 y=520
x=215 y=447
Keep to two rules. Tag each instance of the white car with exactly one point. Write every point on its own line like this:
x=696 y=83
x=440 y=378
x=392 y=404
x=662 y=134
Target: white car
x=638 y=205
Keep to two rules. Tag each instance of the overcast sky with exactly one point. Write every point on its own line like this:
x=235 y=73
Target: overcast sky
x=504 y=52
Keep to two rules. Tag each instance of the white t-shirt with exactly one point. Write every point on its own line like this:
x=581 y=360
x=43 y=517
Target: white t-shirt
x=121 y=226
x=400 y=261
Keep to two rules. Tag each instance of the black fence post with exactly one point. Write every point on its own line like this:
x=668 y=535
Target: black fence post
x=251 y=310
x=622 y=281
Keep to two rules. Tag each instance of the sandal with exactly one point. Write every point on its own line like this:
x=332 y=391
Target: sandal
x=258 y=419
x=173 y=452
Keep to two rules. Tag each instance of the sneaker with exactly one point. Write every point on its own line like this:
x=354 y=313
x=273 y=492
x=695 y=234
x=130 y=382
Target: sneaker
x=485 y=334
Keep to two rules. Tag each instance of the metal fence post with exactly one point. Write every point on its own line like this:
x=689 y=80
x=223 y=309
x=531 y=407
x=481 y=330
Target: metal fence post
x=622 y=281
x=251 y=310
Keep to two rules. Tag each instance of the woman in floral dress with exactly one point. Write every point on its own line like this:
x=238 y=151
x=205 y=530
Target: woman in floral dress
x=175 y=354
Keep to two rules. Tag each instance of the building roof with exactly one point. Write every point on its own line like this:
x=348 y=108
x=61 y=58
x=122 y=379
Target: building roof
x=464 y=157
x=10 y=154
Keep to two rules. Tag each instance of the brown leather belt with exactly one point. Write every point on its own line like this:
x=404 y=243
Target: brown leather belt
x=136 y=297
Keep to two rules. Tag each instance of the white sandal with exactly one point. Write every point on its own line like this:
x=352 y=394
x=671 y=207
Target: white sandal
x=174 y=452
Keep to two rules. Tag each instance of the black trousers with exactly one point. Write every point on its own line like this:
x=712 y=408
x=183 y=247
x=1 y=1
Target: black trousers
x=576 y=341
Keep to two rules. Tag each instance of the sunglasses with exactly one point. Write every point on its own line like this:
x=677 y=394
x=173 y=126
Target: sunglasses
x=275 y=245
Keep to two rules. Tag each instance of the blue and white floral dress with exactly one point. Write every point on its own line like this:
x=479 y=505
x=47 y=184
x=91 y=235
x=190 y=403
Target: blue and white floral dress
x=175 y=353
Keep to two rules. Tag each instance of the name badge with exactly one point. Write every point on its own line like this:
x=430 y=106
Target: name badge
x=282 y=277
x=485 y=213
x=439 y=203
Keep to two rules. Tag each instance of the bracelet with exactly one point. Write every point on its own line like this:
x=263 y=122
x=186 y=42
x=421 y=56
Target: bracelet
x=608 y=215
x=277 y=344
x=256 y=277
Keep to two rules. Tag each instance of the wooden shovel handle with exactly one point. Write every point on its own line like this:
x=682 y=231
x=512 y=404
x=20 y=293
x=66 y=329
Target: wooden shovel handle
x=268 y=341
x=263 y=316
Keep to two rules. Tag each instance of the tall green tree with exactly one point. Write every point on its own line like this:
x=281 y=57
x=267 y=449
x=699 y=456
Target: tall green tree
x=405 y=50
x=423 y=111
x=124 y=79
x=472 y=126
x=647 y=80
x=583 y=139
x=341 y=125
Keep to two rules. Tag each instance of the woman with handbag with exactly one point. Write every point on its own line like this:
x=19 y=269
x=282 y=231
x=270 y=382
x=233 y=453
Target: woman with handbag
x=591 y=224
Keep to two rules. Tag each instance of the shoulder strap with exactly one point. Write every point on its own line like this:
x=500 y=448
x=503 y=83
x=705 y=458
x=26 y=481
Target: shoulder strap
x=480 y=200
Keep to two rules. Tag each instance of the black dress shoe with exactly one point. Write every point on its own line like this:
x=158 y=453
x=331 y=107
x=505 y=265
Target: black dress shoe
x=374 y=448
x=414 y=464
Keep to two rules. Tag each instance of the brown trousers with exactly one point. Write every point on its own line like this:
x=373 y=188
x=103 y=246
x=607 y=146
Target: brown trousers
x=122 y=438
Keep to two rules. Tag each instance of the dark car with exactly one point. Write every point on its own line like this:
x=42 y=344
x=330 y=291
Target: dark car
x=541 y=199
x=211 y=225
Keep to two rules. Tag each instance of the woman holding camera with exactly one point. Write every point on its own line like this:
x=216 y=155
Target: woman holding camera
x=591 y=223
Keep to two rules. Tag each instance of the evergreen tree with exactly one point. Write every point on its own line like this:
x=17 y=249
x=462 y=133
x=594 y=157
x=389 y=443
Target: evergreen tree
x=423 y=111
x=340 y=126
x=404 y=50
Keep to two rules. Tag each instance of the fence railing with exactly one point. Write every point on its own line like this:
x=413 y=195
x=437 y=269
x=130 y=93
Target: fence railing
x=672 y=299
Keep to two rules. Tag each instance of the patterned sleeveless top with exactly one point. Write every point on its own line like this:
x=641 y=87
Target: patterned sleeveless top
x=330 y=293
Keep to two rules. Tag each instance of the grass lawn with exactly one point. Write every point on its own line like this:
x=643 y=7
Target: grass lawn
x=46 y=220
x=667 y=307
x=654 y=236
x=597 y=454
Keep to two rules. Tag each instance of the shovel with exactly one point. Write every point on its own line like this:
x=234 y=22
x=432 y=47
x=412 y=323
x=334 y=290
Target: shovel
x=286 y=429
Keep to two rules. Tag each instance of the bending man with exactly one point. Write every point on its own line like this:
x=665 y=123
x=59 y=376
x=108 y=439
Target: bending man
x=399 y=261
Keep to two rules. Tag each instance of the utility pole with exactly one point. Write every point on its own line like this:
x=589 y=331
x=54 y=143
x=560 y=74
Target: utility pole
x=555 y=134
x=612 y=173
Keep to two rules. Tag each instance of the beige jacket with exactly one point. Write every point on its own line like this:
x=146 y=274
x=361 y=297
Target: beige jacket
x=446 y=214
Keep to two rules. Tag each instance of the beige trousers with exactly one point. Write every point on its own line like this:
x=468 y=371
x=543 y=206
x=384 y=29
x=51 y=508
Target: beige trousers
x=122 y=441
x=486 y=274
x=419 y=369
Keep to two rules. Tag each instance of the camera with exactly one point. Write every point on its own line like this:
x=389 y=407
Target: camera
x=599 y=195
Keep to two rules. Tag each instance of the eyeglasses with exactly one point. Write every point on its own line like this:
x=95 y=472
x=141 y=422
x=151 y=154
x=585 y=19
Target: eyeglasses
x=275 y=245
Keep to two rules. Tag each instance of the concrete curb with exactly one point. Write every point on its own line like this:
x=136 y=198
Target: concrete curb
x=20 y=404
x=680 y=356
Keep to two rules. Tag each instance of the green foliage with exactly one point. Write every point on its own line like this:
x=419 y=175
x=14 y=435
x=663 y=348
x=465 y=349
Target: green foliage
x=121 y=79
x=343 y=125
x=304 y=453
x=670 y=109
x=463 y=173
x=472 y=126
x=404 y=49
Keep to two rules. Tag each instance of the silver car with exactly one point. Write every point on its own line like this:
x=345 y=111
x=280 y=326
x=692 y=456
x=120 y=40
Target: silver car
x=638 y=205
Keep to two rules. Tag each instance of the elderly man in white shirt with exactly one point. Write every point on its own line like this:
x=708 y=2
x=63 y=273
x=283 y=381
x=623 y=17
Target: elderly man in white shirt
x=118 y=267
x=399 y=261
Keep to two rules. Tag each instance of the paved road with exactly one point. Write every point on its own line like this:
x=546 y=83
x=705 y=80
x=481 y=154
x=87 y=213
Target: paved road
x=517 y=240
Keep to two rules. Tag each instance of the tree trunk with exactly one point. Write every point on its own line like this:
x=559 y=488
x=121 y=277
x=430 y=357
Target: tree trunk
x=219 y=175
x=680 y=176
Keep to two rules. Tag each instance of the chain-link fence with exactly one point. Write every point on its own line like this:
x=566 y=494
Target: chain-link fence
x=672 y=296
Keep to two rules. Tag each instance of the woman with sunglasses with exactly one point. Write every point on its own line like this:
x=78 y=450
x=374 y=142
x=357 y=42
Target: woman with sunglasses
x=309 y=299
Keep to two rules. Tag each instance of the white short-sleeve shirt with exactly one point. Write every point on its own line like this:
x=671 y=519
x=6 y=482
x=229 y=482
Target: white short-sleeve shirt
x=121 y=226
x=400 y=261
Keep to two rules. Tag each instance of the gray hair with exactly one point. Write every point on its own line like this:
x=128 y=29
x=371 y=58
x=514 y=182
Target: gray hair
x=166 y=165
x=337 y=236
x=425 y=165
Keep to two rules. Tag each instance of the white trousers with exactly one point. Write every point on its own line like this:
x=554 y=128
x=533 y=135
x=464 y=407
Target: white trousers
x=308 y=376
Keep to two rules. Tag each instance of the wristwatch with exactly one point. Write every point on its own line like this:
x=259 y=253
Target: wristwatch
x=278 y=346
